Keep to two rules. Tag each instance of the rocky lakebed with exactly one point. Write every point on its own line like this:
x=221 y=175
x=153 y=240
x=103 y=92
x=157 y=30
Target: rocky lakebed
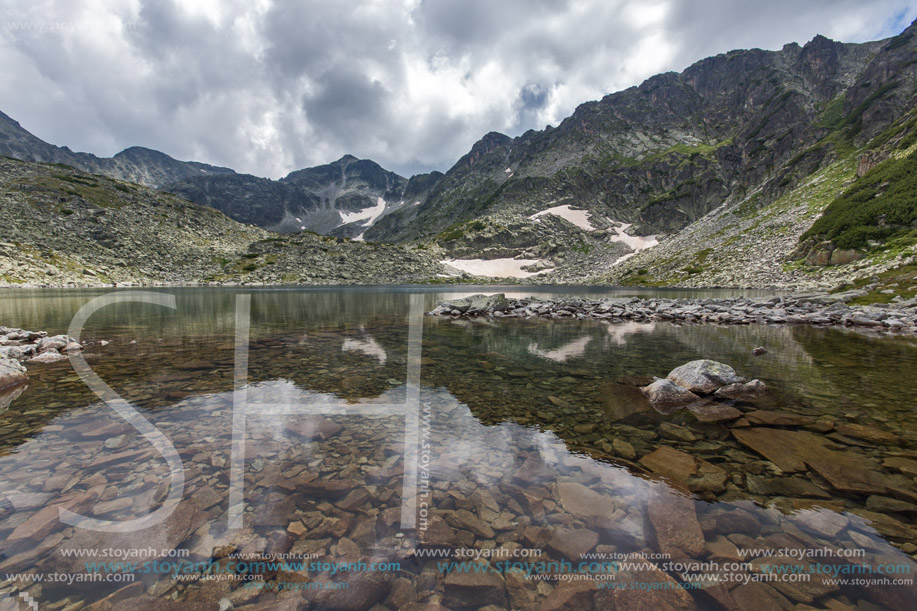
x=608 y=438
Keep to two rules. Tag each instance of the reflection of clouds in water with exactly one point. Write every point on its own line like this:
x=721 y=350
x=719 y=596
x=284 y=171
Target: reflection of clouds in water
x=618 y=332
x=368 y=346
x=573 y=349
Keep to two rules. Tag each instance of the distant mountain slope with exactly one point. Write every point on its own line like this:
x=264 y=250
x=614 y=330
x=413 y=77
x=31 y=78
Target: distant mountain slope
x=135 y=164
x=63 y=227
x=341 y=198
x=742 y=170
x=665 y=153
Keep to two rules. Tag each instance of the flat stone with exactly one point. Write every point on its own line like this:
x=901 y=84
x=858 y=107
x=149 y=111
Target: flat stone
x=808 y=591
x=205 y=497
x=473 y=588
x=573 y=543
x=623 y=449
x=570 y=596
x=770 y=418
x=437 y=534
x=467 y=520
x=41 y=523
x=724 y=549
x=674 y=521
x=354 y=499
x=645 y=588
x=364 y=590
x=675 y=432
x=760 y=596
x=889 y=505
x=698 y=475
x=533 y=470
x=887 y=525
x=783 y=486
x=905 y=465
x=714 y=412
x=582 y=502
x=861 y=431
x=848 y=472
x=783 y=448
x=794 y=450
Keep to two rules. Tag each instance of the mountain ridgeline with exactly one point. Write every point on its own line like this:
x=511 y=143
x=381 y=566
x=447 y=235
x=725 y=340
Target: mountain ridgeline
x=743 y=132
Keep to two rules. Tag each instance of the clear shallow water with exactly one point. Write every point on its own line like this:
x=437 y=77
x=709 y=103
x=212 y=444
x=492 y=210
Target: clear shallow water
x=536 y=440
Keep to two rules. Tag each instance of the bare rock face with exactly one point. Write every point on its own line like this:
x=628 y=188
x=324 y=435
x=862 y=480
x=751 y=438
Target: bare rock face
x=704 y=376
x=11 y=373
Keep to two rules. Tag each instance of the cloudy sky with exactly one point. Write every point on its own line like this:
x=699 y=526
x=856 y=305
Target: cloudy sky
x=268 y=86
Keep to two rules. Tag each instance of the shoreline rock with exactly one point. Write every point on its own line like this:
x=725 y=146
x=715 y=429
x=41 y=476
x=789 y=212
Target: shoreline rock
x=811 y=309
x=18 y=345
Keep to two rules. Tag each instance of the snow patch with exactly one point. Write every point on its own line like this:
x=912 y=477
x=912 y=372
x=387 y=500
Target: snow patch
x=580 y=218
x=496 y=268
x=635 y=242
x=367 y=215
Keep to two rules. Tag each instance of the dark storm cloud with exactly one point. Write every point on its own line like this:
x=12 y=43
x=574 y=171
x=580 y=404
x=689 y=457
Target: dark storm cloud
x=270 y=86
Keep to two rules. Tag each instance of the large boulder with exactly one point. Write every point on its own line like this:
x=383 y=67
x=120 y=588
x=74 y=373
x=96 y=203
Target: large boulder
x=666 y=395
x=704 y=376
x=12 y=373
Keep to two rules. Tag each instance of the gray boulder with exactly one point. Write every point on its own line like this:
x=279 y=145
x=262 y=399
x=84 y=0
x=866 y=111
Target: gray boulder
x=742 y=390
x=477 y=304
x=704 y=376
x=11 y=352
x=53 y=343
x=48 y=356
x=667 y=395
x=11 y=372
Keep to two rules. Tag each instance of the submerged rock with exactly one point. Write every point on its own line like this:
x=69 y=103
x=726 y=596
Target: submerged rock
x=741 y=390
x=696 y=474
x=675 y=524
x=667 y=395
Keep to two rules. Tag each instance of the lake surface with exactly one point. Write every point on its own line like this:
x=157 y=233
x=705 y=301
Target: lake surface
x=525 y=471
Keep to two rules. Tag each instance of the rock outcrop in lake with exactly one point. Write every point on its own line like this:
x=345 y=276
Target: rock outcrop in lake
x=810 y=309
x=689 y=384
